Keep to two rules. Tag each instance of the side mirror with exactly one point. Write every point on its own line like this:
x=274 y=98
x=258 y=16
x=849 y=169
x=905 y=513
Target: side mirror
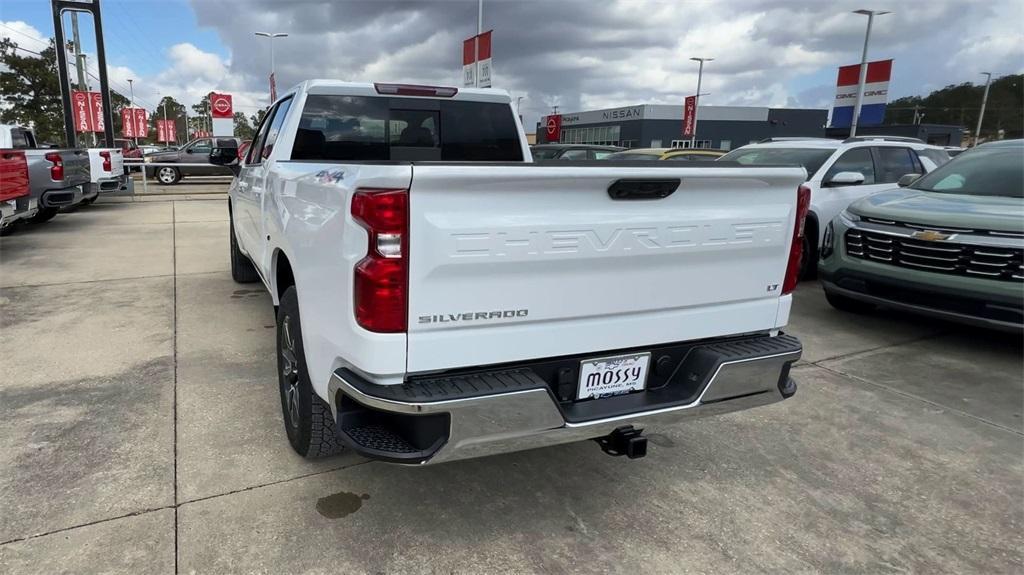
x=188 y=151
x=225 y=153
x=907 y=179
x=846 y=179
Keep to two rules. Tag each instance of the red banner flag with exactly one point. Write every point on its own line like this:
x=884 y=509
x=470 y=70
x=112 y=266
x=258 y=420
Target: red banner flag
x=98 y=123
x=553 y=126
x=127 y=123
x=165 y=131
x=141 y=123
x=689 y=116
x=82 y=109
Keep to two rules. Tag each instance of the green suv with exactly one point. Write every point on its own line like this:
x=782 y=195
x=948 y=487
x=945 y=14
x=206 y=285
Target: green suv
x=949 y=244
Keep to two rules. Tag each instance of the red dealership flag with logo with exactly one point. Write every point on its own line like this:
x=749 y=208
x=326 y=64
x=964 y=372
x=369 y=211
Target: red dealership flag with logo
x=553 y=128
x=469 y=59
x=689 y=116
x=82 y=109
x=166 y=131
x=220 y=106
x=141 y=123
x=127 y=123
x=96 y=101
x=134 y=123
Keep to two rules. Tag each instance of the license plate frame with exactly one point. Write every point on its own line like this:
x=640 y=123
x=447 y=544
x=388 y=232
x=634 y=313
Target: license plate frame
x=618 y=366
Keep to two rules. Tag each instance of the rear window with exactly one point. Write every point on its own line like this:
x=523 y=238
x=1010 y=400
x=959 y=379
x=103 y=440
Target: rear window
x=354 y=128
x=22 y=139
x=810 y=158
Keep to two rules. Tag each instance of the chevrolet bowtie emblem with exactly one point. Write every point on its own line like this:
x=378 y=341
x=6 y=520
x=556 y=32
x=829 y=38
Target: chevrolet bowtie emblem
x=930 y=236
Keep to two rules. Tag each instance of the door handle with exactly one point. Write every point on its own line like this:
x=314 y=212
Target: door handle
x=642 y=189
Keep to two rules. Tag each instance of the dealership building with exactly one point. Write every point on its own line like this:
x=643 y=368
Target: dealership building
x=656 y=126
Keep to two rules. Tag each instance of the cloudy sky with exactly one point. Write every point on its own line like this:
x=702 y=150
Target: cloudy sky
x=578 y=55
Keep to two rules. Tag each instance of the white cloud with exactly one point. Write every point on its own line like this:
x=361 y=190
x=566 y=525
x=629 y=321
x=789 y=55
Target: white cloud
x=24 y=34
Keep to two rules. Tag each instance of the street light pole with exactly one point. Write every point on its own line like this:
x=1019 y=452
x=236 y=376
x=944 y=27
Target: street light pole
x=131 y=106
x=476 y=42
x=696 y=99
x=273 y=80
x=863 y=67
x=984 y=100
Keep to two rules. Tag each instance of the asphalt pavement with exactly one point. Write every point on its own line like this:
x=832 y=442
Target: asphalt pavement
x=142 y=433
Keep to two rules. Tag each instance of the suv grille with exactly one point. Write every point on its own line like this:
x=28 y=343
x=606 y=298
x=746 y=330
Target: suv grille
x=997 y=263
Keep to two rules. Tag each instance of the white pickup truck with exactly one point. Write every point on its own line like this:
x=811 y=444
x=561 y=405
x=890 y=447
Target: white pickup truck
x=440 y=296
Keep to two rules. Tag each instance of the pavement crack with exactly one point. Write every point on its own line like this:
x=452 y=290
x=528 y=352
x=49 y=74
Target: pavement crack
x=922 y=399
x=861 y=352
x=174 y=327
x=278 y=482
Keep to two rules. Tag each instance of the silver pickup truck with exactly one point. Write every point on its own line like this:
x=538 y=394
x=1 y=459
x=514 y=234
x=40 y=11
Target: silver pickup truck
x=57 y=177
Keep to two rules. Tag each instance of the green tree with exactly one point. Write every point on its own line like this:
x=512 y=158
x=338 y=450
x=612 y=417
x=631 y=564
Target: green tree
x=960 y=105
x=243 y=129
x=258 y=117
x=31 y=90
x=175 y=111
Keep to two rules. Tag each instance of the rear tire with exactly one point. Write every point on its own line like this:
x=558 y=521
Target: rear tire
x=43 y=215
x=167 y=175
x=307 y=418
x=848 y=304
x=242 y=269
x=808 y=259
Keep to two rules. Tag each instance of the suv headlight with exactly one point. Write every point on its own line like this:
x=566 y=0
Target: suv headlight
x=147 y=159
x=828 y=241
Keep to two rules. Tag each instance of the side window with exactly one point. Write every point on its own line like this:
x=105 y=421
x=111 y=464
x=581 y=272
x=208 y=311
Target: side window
x=201 y=147
x=894 y=163
x=275 y=128
x=602 y=154
x=252 y=155
x=574 y=154
x=263 y=141
x=855 y=160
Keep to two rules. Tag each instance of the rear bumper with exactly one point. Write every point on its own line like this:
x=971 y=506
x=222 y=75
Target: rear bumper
x=515 y=408
x=63 y=197
x=18 y=209
x=108 y=185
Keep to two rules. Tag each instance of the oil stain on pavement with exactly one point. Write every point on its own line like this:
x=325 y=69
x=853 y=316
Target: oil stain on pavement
x=340 y=504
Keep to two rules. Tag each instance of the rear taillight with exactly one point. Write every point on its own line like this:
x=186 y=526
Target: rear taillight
x=57 y=169
x=381 y=289
x=803 y=204
x=107 y=166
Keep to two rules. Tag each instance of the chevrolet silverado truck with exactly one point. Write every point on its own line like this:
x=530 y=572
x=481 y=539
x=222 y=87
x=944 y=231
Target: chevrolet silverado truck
x=58 y=178
x=439 y=296
x=106 y=172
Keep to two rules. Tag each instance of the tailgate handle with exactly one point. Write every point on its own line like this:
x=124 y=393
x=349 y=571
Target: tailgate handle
x=642 y=189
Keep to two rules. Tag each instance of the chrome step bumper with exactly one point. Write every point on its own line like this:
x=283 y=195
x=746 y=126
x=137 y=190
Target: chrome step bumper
x=509 y=410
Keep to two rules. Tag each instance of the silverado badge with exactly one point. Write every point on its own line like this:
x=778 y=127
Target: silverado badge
x=930 y=235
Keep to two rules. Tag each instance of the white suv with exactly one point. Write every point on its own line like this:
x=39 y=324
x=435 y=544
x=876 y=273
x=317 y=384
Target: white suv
x=841 y=171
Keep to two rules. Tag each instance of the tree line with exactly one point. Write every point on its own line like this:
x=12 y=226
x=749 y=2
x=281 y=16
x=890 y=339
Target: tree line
x=30 y=90
x=960 y=104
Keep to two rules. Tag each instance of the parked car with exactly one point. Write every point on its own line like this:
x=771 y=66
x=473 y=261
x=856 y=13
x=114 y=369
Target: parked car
x=441 y=297
x=840 y=172
x=14 y=187
x=147 y=149
x=571 y=151
x=58 y=178
x=129 y=149
x=195 y=152
x=950 y=244
x=106 y=172
x=666 y=154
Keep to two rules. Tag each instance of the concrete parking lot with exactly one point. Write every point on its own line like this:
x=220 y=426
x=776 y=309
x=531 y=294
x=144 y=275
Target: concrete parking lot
x=142 y=433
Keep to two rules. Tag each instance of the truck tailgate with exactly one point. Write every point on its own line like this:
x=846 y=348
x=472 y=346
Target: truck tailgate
x=76 y=166
x=512 y=262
